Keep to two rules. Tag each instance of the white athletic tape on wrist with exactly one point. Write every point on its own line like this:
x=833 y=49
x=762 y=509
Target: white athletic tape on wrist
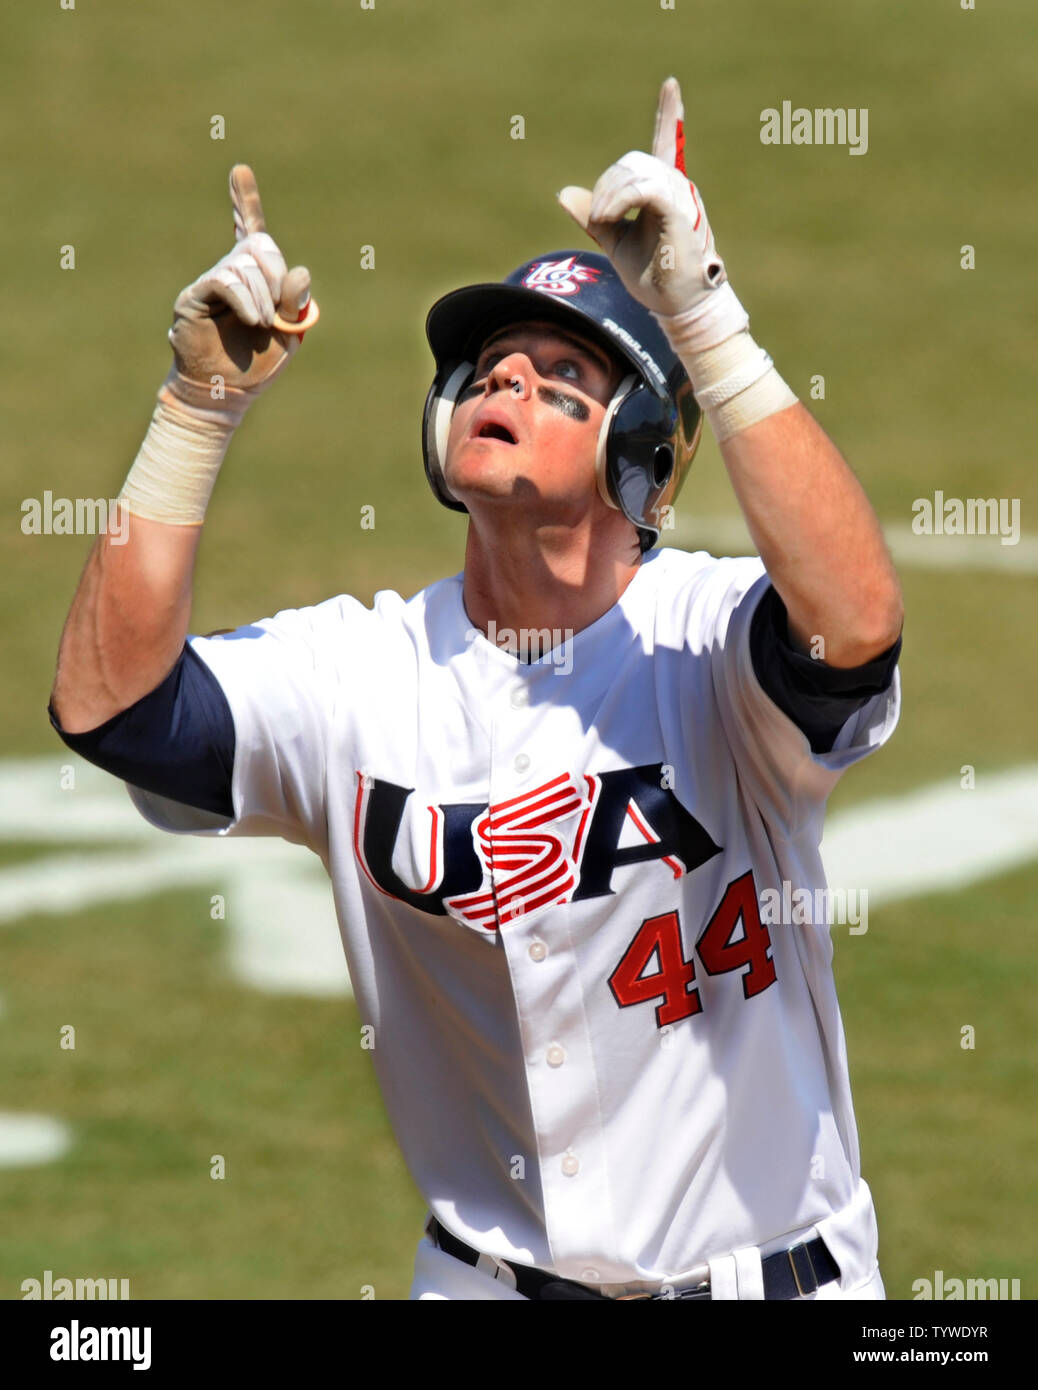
x=175 y=471
x=735 y=382
x=764 y=398
x=746 y=373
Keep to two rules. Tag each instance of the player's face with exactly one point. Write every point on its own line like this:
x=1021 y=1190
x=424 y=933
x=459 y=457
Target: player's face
x=527 y=427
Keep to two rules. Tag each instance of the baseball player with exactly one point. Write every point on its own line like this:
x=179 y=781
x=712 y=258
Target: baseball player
x=552 y=790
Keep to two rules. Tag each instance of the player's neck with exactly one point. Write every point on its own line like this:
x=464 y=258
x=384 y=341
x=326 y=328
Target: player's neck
x=523 y=580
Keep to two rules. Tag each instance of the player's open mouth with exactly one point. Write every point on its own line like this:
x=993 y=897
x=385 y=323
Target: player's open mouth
x=491 y=430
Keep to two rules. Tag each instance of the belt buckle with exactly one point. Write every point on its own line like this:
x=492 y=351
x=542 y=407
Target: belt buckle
x=809 y=1272
x=700 y=1290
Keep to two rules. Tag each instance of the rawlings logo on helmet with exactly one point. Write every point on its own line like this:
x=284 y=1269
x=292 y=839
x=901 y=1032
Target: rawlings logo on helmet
x=560 y=277
x=618 y=331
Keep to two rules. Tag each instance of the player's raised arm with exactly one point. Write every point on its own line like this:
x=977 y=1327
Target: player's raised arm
x=234 y=330
x=809 y=517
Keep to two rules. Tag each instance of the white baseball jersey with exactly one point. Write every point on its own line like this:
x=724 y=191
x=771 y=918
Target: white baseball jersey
x=598 y=1059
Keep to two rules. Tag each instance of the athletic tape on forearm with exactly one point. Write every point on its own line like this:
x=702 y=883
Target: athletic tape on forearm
x=737 y=386
x=175 y=471
x=734 y=380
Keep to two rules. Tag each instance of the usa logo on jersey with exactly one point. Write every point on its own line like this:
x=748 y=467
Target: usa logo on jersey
x=559 y=843
x=560 y=277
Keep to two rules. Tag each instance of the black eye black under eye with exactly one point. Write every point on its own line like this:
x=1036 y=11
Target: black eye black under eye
x=568 y=405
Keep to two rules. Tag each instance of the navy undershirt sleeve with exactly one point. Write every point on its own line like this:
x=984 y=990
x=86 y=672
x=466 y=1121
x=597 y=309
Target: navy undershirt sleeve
x=177 y=741
x=818 y=698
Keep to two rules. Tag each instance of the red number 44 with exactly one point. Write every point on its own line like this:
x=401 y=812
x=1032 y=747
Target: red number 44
x=672 y=982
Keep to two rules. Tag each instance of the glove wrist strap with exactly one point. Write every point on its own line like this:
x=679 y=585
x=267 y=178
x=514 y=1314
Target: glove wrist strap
x=711 y=320
x=226 y=408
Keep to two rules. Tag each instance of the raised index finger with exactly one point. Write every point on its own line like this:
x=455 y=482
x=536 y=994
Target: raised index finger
x=245 y=198
x=668 y=142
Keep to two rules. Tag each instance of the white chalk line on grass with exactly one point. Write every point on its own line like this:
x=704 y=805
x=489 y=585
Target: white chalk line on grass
x=280 y=929
x=727 y=535
x=26 y=1139
x=939 y=838
x=280 y=923
x=35 y=808
x=278 y=919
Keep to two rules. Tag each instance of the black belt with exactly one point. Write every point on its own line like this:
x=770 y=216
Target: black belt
x=787 y=1274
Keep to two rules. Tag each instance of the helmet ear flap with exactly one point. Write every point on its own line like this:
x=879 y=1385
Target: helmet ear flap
x=604 y=472
x=662 y=465
x=450 y=381
x=637 y=458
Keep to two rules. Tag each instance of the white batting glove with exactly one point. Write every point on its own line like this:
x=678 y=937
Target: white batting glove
x=226 y=349
x=666 y=256
x=667 y=260
x=234 y=330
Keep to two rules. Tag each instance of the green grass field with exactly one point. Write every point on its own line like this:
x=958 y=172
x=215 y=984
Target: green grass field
x=390 y=128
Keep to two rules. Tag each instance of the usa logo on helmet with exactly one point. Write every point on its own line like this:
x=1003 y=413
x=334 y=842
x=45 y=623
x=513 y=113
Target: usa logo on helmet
x=560 y=277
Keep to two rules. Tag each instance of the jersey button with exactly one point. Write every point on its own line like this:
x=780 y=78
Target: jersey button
x=590 y=1276
x=570 y=1165
x=522 y=762
x=556 y=1055
x=520 y=697
x=538 y=950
